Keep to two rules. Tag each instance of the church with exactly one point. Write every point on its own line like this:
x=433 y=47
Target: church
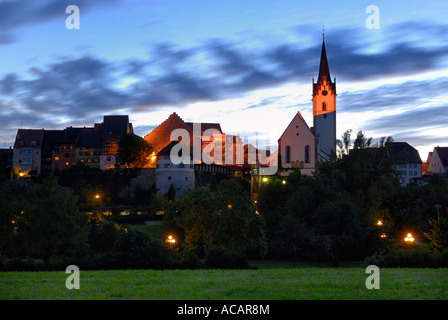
x=301 y=146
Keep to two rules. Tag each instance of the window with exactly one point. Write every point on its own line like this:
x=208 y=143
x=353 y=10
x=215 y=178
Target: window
x=324 y=106
x=169 y=178
x=325 y=116
x=307 y=154
x=288 y=154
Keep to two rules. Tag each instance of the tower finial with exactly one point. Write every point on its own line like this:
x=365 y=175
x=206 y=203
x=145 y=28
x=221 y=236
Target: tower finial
x=323 y=31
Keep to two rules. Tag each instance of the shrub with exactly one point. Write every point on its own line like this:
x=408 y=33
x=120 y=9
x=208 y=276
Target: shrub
x=190 y=260
x=136 y=249
x=407 y=258
x=223 y=258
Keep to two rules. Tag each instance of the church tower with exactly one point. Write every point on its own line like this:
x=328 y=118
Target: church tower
x=324 y=108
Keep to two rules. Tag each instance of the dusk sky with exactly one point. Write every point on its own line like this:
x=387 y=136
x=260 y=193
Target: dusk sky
x=247 y=64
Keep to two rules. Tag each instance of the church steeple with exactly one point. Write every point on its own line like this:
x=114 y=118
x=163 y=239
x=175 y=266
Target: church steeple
x=324 y=108
x=324 y=70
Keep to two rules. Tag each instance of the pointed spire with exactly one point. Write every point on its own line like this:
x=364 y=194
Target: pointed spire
x=324 y=70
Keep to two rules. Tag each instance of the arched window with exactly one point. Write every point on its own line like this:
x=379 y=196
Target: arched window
x=324 y=106
x=288 y=154
x=307 y=154
x=302 y=165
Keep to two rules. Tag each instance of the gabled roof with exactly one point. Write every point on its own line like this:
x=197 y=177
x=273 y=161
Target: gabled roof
x=26 y=137
x=403 y=152
x=443 y=155
x=299 y=115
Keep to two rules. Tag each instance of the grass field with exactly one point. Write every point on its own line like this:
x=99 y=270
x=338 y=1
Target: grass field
x=302 y=283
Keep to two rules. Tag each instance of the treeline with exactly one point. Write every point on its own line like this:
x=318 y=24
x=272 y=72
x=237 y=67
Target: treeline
x=331 y=216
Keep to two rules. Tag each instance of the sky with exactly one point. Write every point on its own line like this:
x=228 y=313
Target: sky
x=247 y=64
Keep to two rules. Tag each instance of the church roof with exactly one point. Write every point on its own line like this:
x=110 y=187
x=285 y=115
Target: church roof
x=324 y=69
x=298 y=114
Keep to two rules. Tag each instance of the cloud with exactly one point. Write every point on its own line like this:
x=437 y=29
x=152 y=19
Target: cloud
x=412 y=121
x=87 y=86
x=18 y=13
x=393 y=96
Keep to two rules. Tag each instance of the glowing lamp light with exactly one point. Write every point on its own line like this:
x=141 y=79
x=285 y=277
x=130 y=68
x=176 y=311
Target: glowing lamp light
x=379 y=223
x=409 y=238
x=97 y=196
x=383 y=236
x=284 y=181
x=170 y=240
x=265 y=179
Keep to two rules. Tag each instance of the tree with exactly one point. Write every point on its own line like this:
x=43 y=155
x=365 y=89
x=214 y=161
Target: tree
x=222 y=218
x=438 y=235
x=7 y=219
x=134 y=152
x=52 y=223
x=339 y=220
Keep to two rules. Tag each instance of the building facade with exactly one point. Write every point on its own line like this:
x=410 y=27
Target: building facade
x=27 y=156
x=406 y=160
x=438 y=161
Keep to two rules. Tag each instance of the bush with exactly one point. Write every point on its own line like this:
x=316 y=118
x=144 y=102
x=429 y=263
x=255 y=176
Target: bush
x=136 y=249
x=190 y=260
x=222 y=258
x=407 y=258
x=23 y=264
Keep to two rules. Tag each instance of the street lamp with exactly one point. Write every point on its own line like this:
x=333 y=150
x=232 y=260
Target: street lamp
x=409 y=238
x=379 y=223
x=170 y=240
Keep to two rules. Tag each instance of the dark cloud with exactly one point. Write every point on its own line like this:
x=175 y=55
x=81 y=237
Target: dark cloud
x=85 y=87
x=392 y=96
x=18 y=13
x=412 y=121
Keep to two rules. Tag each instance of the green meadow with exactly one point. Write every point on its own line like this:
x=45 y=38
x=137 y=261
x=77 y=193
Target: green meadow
x=265 y=283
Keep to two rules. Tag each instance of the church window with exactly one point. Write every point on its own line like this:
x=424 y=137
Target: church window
x=307 y=154
x=324 y=106
x=288 y=154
